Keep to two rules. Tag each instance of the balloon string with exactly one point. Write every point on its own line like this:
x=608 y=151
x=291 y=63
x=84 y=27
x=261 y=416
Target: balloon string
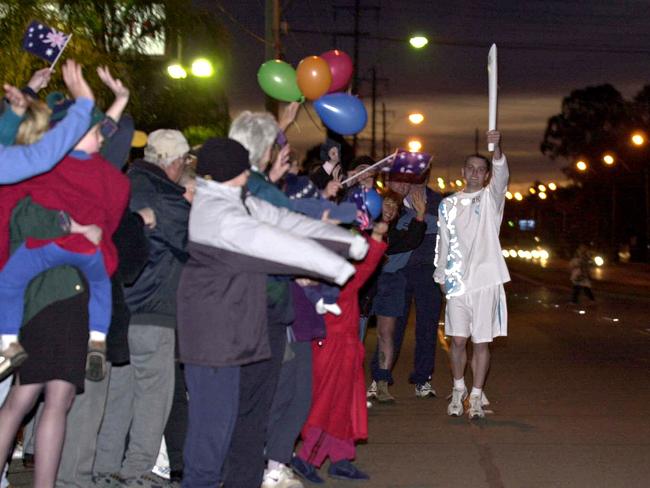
x=312 y=119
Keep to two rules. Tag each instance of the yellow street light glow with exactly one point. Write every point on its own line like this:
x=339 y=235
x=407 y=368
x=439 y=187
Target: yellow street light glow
x=418 y=42
x=519 y=197
x=176 y=71
x=608 y=159
x=521 y=253
x=638 y=139
x=414 y=145
x=544 y=254
x=599 y=261
x=202 y=68
x=541 y=188
x=513 y=253
x=441 y=183
x=452 y=184
x=542 y=195
x=552 y=186
x=459 y=183
x=505 y=253
x=509 y=195
x=532 y=190
x=416 y=118
x=581 y=165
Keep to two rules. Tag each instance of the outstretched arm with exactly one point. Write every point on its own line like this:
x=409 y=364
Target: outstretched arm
x=119 y=90
x=500 y=173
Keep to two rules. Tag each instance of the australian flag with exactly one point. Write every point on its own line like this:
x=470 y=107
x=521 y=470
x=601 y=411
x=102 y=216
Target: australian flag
x=44 y=41
x=409 y=163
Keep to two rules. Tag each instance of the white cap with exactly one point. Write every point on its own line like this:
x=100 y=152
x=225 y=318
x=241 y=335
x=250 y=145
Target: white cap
x=164 y=146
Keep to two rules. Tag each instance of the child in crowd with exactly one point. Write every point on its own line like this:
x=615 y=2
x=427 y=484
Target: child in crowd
x=338 y=416
x=92 y=191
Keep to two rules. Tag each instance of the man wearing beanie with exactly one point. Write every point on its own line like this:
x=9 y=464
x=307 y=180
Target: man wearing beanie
x=140 y=393
x=235 y=241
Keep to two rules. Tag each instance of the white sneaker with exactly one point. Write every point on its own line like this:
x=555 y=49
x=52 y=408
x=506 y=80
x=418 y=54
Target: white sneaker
x=425 y=390
x=280 y=478
x=455 y=407
x=484 y=401
x=371 y=392
x=476 y=407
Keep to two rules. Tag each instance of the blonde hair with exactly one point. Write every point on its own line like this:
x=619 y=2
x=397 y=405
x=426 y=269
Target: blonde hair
x=35 y=124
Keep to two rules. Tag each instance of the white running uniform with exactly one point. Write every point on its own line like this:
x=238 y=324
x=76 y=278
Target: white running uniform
x=469 y=259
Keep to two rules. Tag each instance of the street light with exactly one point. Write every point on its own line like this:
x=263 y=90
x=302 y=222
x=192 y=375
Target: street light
x=608 y=159
x=418 y=42
x=416 y=118
x=459 y=183
x=518 y=196
x=541 y=188
x=176 y=71
x=532 y=190
x=542 y=195
x=202 y=68
x=552 y=186
x=414 y=145
x=509 y=195
x=638 y=139
x=581 y=165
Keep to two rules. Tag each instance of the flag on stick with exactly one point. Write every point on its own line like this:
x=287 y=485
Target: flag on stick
x=45 y=42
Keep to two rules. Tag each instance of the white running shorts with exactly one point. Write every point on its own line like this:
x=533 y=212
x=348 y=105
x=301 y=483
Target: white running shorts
x=481 y=314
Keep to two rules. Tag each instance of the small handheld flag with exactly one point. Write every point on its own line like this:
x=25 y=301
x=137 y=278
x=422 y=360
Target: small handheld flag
x=44 y=41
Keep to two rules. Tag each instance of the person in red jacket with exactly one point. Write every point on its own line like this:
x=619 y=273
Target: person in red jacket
x=339 y=416
x=91 y=191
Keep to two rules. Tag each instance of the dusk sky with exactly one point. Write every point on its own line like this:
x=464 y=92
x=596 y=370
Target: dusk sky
x=448 y=84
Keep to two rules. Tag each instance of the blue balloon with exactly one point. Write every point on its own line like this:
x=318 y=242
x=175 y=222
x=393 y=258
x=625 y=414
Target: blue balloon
x=341 y=112
x=374 y=203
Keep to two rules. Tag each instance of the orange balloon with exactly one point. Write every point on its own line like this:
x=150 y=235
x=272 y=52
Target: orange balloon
x=314 y=77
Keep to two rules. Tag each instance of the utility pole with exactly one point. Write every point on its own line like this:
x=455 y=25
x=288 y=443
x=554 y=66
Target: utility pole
x=356 y=35
x=273 y=46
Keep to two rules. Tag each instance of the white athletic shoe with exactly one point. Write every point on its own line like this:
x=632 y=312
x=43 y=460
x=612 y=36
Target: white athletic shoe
x=476 y=407
x=280 y=478
x=455 y=407
x=425 y=390
x=371 y=392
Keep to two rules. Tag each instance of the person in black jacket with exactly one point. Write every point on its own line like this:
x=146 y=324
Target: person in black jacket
x=140 y=394
x=388 y=304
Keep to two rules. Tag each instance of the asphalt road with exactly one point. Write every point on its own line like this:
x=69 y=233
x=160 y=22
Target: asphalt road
x=570 y=394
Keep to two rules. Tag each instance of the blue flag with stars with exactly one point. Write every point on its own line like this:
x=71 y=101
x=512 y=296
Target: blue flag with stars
x=44 y=41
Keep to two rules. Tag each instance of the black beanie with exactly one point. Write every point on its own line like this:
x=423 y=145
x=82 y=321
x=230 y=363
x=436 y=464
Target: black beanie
x=222 y=159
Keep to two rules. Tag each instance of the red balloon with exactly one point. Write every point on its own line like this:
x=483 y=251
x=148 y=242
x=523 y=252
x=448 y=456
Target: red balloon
x=341 y=68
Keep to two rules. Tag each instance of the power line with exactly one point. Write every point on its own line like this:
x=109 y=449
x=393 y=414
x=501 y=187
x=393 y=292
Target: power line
x=240 y=25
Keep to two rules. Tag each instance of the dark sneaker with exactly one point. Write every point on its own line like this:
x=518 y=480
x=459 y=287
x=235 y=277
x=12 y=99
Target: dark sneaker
x=11 y=358
x=96 y=361
x=383 y=395
x=108 y=480
x=150 y=480
x=345 y=470
x=306 y=471
x=425 y=390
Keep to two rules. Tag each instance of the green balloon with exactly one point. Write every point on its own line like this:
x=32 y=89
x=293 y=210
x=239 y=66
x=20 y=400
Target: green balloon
x=278 y=80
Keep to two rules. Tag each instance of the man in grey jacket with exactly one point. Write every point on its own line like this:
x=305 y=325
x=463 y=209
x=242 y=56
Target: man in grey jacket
x=235 y=240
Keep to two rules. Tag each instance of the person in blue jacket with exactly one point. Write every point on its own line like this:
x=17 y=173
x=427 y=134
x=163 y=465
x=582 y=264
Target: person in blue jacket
x=18 y=163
